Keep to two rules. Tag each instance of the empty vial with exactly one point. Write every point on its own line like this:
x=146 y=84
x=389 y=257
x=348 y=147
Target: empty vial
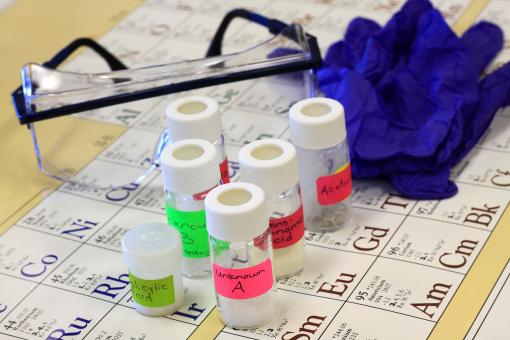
x=152 y=252
x=190 y=170
x=241 y=254
x=317 y=129
x=272 y=165
x=198 y=117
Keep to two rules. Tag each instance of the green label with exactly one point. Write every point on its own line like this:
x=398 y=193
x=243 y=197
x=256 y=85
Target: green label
x=191 y=226
x=153 y=293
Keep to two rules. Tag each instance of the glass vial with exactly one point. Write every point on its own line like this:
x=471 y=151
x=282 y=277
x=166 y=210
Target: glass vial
x=198 y=117
x=241 y=254
x=272 y=165
x=317 y=129
x=190 y=169
x=152 y=252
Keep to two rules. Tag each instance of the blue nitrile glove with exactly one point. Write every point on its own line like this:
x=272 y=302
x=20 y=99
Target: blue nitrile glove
x=413 y=99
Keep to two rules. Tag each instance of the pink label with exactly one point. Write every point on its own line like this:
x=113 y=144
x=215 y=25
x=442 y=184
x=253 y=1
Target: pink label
x=225 y=176
x=201 y=195
x=287 y=230
x=336 y=187
x=245 y=283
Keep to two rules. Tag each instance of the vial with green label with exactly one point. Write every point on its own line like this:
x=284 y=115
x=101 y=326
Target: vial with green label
x=241 y=255
x=198 y=117
x=152 y=252
x=190 y=170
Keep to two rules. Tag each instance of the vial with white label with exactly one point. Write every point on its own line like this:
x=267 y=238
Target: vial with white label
x=190 y=170
x=241 y=254
x=272 y=165
x=152 y=252
x=317 y=129
x=198 y=117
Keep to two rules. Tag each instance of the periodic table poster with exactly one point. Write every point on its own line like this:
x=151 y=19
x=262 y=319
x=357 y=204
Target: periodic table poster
x=402 y=269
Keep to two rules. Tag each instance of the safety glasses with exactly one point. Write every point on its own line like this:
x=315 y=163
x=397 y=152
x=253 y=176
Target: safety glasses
x=48 y=95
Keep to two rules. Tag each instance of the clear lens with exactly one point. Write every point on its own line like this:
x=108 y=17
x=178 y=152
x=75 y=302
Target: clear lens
x=93 y=153
x=89 y=149
x=119 y=145
x=46 y=88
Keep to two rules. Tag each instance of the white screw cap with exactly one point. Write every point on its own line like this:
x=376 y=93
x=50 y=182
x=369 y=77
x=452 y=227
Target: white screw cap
x=152 y=247
x=236 y=212
x=193 y=117
x=190 y=166
x=317 y=123
x=269 y=163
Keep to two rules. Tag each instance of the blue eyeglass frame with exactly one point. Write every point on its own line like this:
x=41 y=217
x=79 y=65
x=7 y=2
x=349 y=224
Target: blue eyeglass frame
x=273 y=25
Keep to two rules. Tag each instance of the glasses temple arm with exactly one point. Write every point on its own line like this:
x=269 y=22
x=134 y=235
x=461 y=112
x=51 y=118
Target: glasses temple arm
x=114 y=63
x=274 y=26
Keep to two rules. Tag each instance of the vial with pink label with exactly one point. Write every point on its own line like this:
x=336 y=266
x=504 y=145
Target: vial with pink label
x=272 y=165
x=198 y=117
x=317 y=129
x=241 y=254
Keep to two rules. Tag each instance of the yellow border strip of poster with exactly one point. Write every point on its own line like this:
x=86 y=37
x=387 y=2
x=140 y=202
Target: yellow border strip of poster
x=477 y=285
x=469 y=16
x=47 y=27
